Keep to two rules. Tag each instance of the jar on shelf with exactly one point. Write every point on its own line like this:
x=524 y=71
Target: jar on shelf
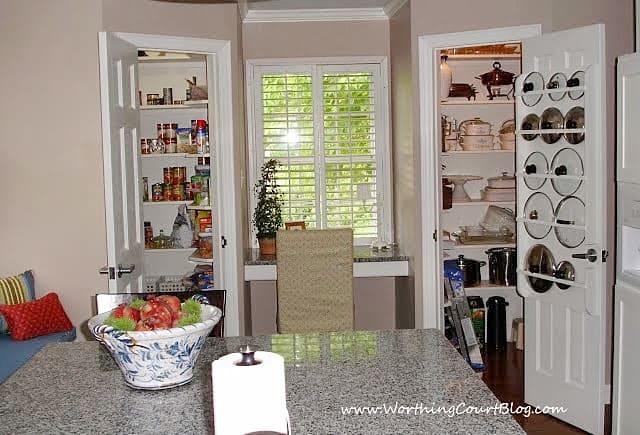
x=162 y=241
x=446 y=77
x=205 y=245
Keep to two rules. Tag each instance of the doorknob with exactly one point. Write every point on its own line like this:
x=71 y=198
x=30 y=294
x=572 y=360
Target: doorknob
x=120 y=271
x=591 y=255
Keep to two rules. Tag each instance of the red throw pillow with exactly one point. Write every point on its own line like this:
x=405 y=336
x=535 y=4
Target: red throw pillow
x=39 y=317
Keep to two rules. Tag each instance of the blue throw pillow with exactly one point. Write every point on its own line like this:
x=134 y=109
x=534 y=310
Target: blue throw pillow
x=16 y=290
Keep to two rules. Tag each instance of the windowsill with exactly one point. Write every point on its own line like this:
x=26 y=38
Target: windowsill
x=366 y=264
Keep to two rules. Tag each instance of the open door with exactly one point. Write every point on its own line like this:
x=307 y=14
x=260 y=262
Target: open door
x=560 y=161
x=120 y=126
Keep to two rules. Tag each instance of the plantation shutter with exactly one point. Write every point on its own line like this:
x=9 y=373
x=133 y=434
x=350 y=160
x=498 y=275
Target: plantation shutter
x=288 y=136
x=350 y=152
x=320 y=123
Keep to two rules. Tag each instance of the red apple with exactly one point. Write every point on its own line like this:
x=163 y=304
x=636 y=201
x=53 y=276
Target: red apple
x=155 y=308
x=124 y=310
x=176 y=318
x=171 y=301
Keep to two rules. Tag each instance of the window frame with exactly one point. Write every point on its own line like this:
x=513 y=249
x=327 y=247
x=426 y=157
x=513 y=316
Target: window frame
x=378 y=65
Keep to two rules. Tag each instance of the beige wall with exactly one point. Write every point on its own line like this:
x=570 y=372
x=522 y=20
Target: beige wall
x=53 y=217
x=316 y=39
x=405 y=189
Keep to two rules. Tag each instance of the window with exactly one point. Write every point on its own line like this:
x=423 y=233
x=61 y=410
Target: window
x=326 y=124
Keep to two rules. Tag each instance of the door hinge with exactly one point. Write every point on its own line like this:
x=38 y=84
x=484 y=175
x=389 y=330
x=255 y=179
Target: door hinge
x=605 y=255
x=223 y=240
x=435 y=235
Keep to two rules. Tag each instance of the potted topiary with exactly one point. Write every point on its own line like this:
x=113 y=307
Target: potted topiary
x=267 y=216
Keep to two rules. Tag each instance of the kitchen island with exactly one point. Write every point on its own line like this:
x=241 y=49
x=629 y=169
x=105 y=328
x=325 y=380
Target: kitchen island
x=398 y=379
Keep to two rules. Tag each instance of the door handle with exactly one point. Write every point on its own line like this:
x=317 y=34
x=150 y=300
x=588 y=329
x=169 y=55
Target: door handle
x=106 y=270
x=591 y=255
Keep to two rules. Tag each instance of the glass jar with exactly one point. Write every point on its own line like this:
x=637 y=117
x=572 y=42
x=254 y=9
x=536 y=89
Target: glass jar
x=205 y=245
x=162 y=241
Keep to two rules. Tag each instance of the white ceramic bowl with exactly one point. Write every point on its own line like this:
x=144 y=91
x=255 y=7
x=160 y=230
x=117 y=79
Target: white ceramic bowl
x=507 y=141
x=154 y=360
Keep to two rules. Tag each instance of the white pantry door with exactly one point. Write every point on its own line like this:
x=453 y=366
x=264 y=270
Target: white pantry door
x=562 y=221
x=120 y=127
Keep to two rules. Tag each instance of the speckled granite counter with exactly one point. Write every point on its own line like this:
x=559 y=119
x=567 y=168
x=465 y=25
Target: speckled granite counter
x=366 y=263
x=77 y=388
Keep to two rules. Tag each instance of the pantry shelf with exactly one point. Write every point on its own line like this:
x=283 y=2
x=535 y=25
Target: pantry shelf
x=164 y=250
x=170 y=155
x=474 y=202
x=457 y=246
x=487 y=285
x=198 y=104
x=470 y=153
x=191 y=206
x=158 y=203
x=464 y=102
x=199 y=260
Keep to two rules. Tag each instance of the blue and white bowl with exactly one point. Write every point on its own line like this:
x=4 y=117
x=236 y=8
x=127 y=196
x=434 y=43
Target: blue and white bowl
x=154 y=360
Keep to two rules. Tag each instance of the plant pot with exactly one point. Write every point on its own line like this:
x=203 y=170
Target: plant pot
x=267 y=246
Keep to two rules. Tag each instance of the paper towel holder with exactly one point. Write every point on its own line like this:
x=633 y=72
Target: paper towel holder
x=248 y=356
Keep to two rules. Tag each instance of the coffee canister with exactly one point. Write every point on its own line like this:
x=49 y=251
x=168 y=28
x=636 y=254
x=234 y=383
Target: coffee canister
x=167 y=95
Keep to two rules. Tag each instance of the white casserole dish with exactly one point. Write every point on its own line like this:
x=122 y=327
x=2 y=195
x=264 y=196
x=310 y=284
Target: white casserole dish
x=476 y=142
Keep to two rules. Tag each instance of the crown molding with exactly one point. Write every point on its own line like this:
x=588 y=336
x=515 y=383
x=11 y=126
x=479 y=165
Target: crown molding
x=302 y=15
x=393 y=6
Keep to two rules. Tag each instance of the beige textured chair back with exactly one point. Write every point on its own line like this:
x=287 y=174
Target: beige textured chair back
x=315 y=280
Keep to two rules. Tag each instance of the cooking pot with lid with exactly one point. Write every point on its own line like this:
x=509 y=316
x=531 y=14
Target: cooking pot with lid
x=503 y=181
x=475 y=126
x=470 y=269
x=496 y=77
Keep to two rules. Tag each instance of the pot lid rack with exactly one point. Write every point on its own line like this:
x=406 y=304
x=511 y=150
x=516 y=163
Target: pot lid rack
x=552 y=278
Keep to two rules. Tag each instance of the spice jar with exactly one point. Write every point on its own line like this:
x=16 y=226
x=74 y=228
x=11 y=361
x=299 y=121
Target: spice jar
x=205 y=245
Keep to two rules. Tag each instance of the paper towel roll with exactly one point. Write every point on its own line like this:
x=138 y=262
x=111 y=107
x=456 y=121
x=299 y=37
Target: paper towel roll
x=249 y=398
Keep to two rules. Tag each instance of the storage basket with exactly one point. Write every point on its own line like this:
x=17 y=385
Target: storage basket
x=151 y=283
x=171 y=283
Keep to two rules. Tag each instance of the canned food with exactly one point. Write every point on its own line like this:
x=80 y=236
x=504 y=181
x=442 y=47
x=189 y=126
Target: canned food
x=157 y=146
x=152 y=99
x=167 y=95
x=171 y=146
x=175 y=175
x=177 y=192
x=167 y=192
x=145 y=146
x=166 y=172
x=148 y=234
x=157 y=193
x=183 y=174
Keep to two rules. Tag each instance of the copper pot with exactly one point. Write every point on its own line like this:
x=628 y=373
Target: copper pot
x=496 y=77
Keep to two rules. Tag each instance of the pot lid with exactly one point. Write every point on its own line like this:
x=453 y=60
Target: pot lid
x=533 y=82
x=566 y=162
x=530 y=122
x=540 y=260
x=503 y=177
x=577 y=79
x=565 y=270
x=509 y=126
x=474 y=121
x=574 y=119
x=570 y=211
x=536 y=164
x=558 y=80
x=551 y=119
x=538 y=207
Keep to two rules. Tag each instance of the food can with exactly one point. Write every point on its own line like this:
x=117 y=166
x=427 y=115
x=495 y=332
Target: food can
x=171 y=146
x=166 y=172
x=157 y=193
x=183 y=174
x=148 y=234
x=175 y=175
x=167 y=95
x=145 y=189
x=188 y=193
x=177 y=192
x=157 y=146
x=152 y=99
x=145 y=146
x=167 y=192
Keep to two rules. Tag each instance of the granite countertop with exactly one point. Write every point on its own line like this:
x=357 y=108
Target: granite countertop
x=361 y=254
x=77 y=388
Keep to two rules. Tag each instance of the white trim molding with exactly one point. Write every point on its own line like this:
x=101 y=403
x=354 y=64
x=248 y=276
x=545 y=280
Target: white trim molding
x=429 y=116
x=300 y=15
x=393 y=6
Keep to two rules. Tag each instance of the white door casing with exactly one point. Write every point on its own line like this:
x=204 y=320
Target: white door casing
x=120 y=127
x=430 y=266
x=221 y=135
x=565 y=329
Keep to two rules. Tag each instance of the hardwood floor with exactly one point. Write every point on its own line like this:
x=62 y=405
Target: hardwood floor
x=504 y=375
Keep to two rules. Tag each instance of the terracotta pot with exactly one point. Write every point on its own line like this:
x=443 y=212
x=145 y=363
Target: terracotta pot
x=267 y=246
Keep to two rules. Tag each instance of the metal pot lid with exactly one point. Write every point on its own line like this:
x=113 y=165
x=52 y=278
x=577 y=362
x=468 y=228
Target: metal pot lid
x=537 y=164
x=533 y=82
x=574 y=119
x=530 y=122
x=576 y=79
x=474 y=121
x=566 y=162
x=538 y=207
x=540 y=260
x=570 y=211
x=508 y=126
x=566 y=271
x=501 y=249
x=551 y=119
x=558 y=80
